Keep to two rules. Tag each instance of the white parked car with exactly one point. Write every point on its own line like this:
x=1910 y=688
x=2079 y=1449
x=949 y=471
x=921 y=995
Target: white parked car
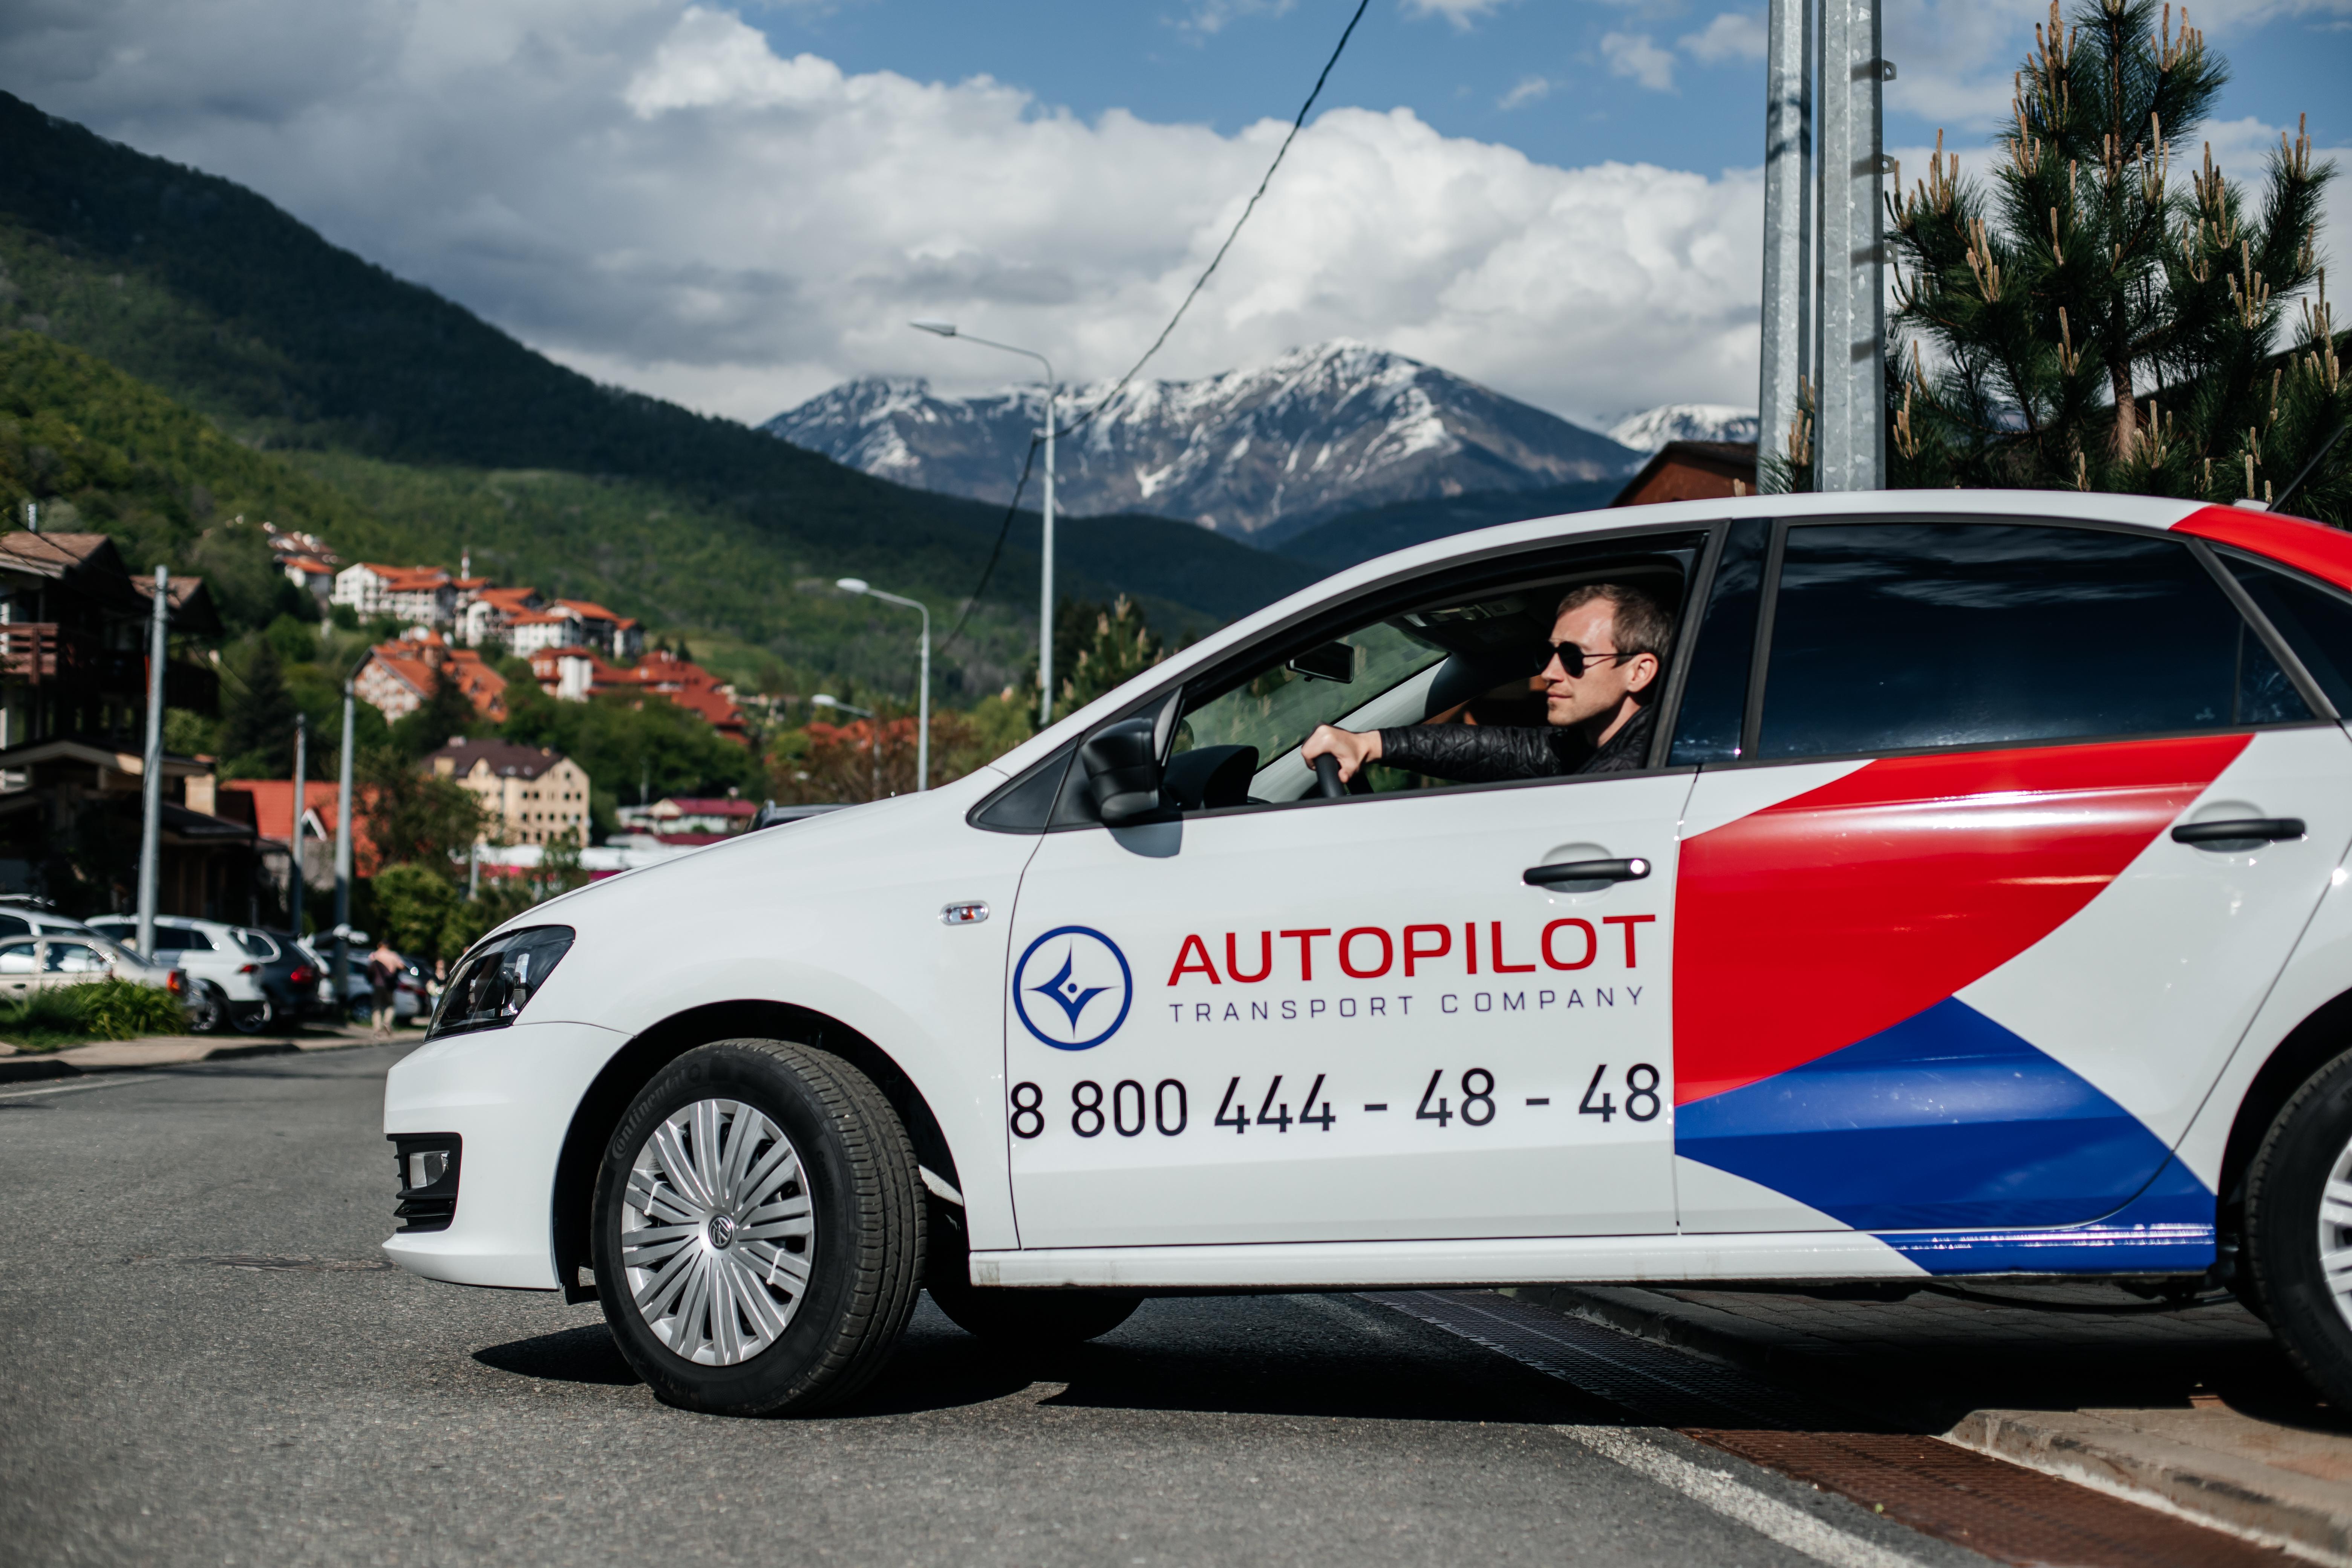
x=60 y=959
x=1964 y=893
x=223 y=964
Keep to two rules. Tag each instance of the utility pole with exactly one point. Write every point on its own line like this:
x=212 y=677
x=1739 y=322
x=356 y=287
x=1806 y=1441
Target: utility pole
x=1851 y=451
x=150 y=793
x=1793 y=45
x=1046 y=610
x=344 y=861
x=301 y=788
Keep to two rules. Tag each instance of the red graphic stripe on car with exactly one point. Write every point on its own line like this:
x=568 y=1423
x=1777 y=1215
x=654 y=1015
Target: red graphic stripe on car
x=2325 y=553
x=1837 y=913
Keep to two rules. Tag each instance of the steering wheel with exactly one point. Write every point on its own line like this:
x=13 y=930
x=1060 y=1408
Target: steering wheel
x=1327 y=778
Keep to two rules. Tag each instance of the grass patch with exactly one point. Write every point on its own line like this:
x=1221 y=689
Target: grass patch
x=76 y=1015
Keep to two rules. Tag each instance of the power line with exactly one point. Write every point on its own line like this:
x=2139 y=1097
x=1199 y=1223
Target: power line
x=1298 y=123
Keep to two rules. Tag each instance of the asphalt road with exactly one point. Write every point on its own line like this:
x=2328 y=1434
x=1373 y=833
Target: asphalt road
x=207 y=1363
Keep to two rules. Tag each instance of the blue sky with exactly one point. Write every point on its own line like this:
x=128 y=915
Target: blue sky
x=738 y=204
x=1162 y=62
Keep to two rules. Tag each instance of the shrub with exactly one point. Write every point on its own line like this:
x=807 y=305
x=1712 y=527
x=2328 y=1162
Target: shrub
x=38 y=1012
x=119 y=1009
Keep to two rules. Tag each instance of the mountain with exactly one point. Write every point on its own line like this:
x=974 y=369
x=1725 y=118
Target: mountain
x=1652 y=428
x=405 y=429
x=1255 y=454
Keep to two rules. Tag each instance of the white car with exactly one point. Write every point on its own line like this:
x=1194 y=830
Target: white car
x=1979 y=908
x=59 y=959
x=224 y=964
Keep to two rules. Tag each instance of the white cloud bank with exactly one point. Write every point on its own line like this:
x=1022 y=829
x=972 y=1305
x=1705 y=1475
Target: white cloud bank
x=652 y=194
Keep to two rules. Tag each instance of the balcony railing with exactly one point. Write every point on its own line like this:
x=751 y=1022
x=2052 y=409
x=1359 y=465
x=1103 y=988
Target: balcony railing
x=44 y=654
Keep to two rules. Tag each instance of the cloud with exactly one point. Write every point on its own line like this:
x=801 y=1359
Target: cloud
x=653 y=194
x=1527 y=91
x=1461 y=13
x=1213 y=16
x=1635 y=55
x=1733 y=36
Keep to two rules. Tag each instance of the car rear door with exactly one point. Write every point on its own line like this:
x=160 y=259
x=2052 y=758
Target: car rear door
x=1961 y=939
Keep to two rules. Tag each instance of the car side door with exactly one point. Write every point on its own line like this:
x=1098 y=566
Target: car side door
x=1311 y=1020
x=2022 y=820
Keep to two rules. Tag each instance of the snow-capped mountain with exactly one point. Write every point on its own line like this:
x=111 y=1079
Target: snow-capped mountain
x=1257 y=453
x=1652 y=428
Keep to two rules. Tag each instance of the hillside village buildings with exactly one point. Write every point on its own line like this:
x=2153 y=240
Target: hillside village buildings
x=530 y=794
x=396 y=677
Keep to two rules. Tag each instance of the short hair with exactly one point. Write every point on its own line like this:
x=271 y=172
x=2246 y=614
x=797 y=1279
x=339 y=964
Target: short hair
x=1643 y=625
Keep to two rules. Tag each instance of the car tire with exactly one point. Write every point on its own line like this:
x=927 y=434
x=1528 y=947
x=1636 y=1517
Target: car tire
x=207 y=1009
x=251 y=1017
x=817 y=1292
x=2299 y=1228
x=1030 y=1320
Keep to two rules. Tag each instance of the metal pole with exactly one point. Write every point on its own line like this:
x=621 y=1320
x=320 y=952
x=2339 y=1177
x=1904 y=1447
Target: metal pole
x=343 y=863
x=923 y=712
x=1794 y=44
x=302 y=790
x=151 y=791
x=1045 y=614
x=1851 y=452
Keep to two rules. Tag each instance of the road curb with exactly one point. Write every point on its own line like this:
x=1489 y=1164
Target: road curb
x=2206 y=1487
x=28 y=1068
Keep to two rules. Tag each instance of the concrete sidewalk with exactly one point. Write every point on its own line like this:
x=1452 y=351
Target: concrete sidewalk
x=2192 y=1410
x=176 y=1050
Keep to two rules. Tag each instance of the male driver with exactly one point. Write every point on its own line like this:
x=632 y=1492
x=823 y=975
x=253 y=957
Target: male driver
x=1607 y=643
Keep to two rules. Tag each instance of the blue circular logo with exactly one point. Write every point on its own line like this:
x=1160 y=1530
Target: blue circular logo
x=1072 y=988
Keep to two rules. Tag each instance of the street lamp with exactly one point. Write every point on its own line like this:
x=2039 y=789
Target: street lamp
x=873 y=743
x=1045 y=544
x=922 y=696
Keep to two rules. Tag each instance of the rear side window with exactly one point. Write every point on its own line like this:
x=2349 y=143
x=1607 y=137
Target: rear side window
x=15 y=925
x=181 y=939
x=1891 y=637
x=2316 y=623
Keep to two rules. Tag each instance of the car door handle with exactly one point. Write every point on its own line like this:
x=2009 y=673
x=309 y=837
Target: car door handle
x=2239 y=830
x=1631 y=871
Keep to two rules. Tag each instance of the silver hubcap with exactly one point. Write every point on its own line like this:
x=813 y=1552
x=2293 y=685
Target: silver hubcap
x=717 y=1233
x=2335 y=1233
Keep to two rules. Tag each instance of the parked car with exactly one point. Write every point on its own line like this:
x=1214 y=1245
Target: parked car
x=62 y=959
x=1872 y=888
x=225 y=965
x=24 y=915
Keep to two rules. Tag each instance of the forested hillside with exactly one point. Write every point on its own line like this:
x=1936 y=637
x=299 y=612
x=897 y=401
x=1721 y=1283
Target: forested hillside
x=401 y=426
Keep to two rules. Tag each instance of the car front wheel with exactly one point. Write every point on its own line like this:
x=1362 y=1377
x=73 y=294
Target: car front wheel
x=207 y=1009
x=2299 y=1228
x=759 y=1229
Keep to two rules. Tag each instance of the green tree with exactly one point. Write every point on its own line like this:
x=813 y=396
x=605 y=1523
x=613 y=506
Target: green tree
x=2088 y=321
x=1099 y=646
x=446 y=712
x=413 y=817
x=257 y=717
x=417 y=909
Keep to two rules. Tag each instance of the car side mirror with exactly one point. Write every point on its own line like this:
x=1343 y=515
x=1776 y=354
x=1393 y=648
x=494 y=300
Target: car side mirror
x=1333 y=661
x=1122 y=764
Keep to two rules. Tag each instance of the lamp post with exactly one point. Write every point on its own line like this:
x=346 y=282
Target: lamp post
x=1045 y=542
x=151 y=786
x=923 y=695
x=343 y=859
x=874 y=744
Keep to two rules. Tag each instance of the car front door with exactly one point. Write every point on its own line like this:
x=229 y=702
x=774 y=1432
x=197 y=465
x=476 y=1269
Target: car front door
x=2022 y=823
x=1307 y=1020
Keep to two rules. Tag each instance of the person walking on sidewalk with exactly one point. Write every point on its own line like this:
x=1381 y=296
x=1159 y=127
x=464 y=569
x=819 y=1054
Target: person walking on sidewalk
x=384 y=967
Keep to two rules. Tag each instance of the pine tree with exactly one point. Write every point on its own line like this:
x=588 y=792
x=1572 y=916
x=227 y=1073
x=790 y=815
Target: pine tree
x=1119 y=645
x=258 y=725
x=2087 y=321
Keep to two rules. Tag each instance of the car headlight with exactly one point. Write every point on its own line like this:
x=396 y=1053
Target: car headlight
x=496 y=981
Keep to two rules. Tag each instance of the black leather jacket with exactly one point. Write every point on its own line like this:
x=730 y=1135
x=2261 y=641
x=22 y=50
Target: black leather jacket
x=1486 y=753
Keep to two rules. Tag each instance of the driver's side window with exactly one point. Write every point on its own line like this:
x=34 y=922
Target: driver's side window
x=1471 y=653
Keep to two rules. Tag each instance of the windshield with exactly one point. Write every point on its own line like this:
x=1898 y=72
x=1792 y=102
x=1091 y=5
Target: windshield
x=1280 y=708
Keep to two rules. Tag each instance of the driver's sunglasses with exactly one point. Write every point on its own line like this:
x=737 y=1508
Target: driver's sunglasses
x=1573 y=658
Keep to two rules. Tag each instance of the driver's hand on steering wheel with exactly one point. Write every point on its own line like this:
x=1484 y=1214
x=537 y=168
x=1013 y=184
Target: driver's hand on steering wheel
x=1349 y=750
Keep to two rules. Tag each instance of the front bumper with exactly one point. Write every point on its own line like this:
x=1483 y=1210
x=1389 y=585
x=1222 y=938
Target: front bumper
x=509 y=1094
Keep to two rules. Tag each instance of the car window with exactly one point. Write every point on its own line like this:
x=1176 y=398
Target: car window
x=1468 y=655
x=255 y=945
x=1889 y=637
x=181 y=939
x=2316 y=622
x=1714 y=695
x=15 y=925
x=74 y=958
x=18 y=958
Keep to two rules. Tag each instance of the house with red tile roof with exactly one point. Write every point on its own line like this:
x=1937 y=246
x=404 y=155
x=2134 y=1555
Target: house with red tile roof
x=421 y=595
x=576 y=674
x=396 y=677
